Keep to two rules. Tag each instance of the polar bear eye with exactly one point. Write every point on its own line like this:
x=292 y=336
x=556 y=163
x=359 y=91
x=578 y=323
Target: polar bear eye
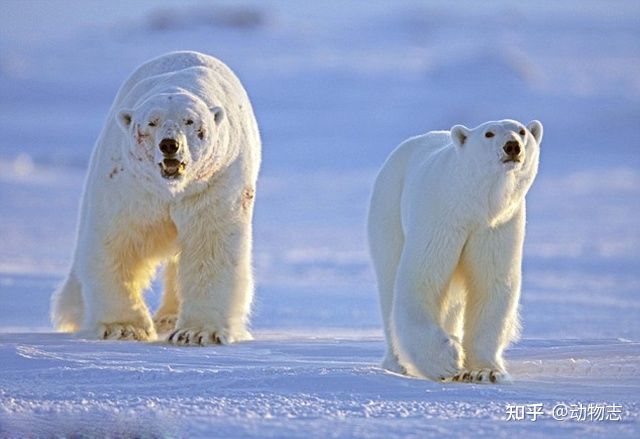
x=488 y=134
x=152 y=123
x=522 y=132
x=188 y=122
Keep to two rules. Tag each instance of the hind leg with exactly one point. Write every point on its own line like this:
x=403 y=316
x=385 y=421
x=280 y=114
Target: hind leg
x=385 y=248
x=390 y=361
x=166 y=316
x=453 y=308
x=385 y=263
x=67 y=305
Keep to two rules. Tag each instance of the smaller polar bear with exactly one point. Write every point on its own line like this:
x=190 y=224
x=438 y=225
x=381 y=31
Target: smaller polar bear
x=446 y=230
x=172 y=179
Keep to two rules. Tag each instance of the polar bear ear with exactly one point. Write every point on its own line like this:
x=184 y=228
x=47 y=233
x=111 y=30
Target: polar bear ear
x=218 y=114
x=536 y=129
x=459 y=134
x=125 y=117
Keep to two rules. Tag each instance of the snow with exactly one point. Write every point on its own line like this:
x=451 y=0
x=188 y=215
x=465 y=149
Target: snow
x=291 y=385
x=336 y=85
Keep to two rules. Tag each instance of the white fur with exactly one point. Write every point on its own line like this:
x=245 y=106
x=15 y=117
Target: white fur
x=133 y=219
x=446 y=230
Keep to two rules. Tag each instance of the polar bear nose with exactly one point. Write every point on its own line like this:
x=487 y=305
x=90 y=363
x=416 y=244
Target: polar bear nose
x=512 y=148
x=169 y=146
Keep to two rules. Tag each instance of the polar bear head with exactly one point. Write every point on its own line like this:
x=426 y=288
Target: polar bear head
x=173 y=138
x=500 y=145
x=501 y=157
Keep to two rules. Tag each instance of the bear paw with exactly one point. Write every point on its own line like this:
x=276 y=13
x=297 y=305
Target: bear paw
x=446 y=359
x=198 y=337
x=165 y=323
x=125 y=331
x=391 y=364
x=437 y=357
x=487 y=376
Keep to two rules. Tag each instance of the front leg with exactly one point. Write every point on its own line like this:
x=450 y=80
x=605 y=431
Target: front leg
x=113 y=277
x=428 y=262
x=214 y=279
x=492 y=266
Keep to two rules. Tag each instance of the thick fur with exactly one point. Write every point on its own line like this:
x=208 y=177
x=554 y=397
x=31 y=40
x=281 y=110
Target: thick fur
x=132 y=218
x=446 y=230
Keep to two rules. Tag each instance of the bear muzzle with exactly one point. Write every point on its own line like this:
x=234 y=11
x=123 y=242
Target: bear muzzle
x=169 y=146
x=513 y=151
x=171 y=165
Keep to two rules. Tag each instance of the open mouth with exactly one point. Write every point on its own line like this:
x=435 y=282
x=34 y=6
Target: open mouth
x=171 y=168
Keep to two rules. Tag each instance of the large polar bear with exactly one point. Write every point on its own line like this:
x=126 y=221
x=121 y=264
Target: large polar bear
x=446 y=229
x=172 y=179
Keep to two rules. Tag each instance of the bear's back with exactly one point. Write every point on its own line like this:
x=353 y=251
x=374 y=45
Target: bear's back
x=405 y=160
x=172 y=62
x=175 y=69
x=432 y=141
x=416 y=150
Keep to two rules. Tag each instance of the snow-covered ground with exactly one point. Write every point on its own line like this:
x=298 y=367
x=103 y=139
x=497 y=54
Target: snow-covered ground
x=336 y=85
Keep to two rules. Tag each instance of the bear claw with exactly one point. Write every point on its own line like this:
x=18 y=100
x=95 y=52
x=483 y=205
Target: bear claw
x=195 y=337
x=481 y=376
x=125 y=331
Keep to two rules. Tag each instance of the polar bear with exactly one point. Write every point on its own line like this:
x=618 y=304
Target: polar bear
x=172 y=179
x=446 y=229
